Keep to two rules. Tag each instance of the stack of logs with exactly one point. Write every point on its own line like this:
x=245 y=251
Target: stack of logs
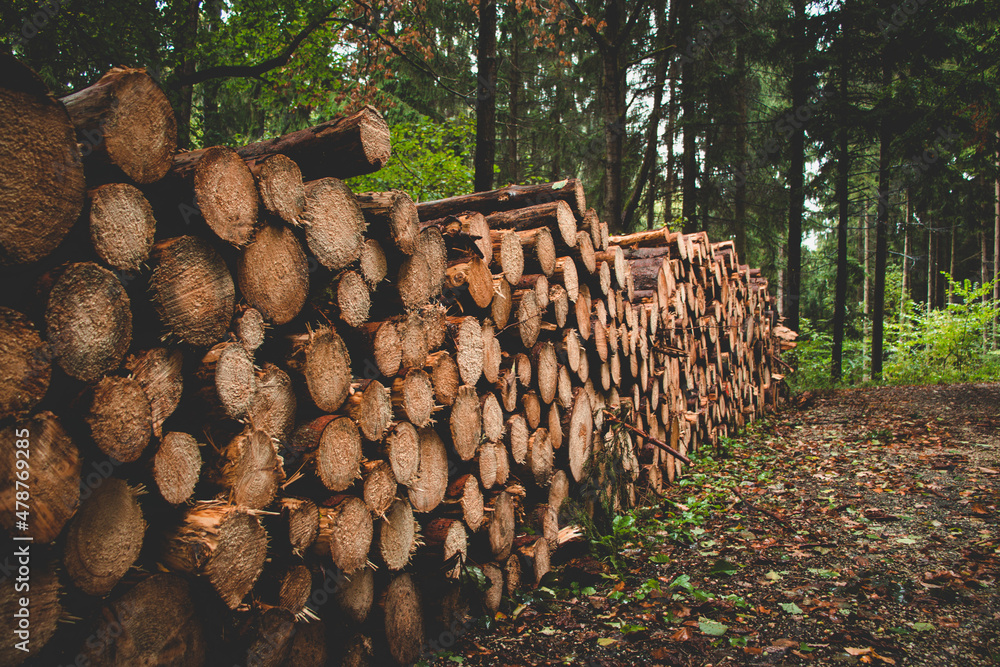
x=252 y=417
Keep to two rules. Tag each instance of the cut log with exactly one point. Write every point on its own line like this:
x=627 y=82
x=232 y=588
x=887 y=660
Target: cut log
x=565 y=274
x=554 y=425
x=176 y=467
x=127 y=121
x=334 y=223
x=251 y=469
x=413 y=397
x=371 y=409
x=540 y=456
x=448 y=542
x=158 y=372
x=584 y=252
x=539 y=250
x=413 y=341
x=529 y=317
x=336 y=446
x=192 y=290
x=466 y=233
x=402 y=450
x=493 y=422
x=445 y=377
x=282 y=192
x=591 y=224
x=532 y=408
x=557 y=216
x=355 y=594
x=379 y=488
x=559 y=298
x=510 y=197
x=381 y=340
x=42 y=173
x=546 y=370
x=229 y=370
x=249 y=327
x=517 y=438
x=272 y=408
x=502 y=302
x=273 y=273
x=486 y=464
x=473 y=277
x=431 y=246
x=104 y=538
x=427 y=491
x=154 y=623
x=493 y=595
x=466 y=493
x=538 y=553
x=302 y=517
x=492 y=353
x=579 y=435
x=467 y=334
x=88 y=321
x=25 y=364
x=121 y=225
x=466 y=422
x=224 y=191
x=373 y=264
x=397 y=535
x=415 y=282
x=327 y=369
x=435 y=325
x=40 y=456
x=345 y=533
x=118 y=418
x=353 y=298
x=296 y=585
x=404 y=620
x=225 y=544
x=392 y=217
x=508 y=255
x=343 y=147
x=501 y=528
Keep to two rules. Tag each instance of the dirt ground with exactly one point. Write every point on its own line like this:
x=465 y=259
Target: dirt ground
x=858 y=528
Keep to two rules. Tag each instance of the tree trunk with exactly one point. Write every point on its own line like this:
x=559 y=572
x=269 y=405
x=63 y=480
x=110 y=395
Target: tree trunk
x=881 y=229
x=652 y=139
x=486 y=99
x=796 y=171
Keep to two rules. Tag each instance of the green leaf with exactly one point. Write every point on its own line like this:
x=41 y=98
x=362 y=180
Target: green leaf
x=660 y=558
x=772 y=576
x=724 y=567
x=547 y=631
x=906 y=540
x=683 y=582
x=790 y=607
x=710 y=627
x=923 y=627
x=605 y=641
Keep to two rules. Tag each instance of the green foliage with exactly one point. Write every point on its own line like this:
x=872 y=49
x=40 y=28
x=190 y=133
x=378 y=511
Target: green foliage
x=429 y=160
x=948 y=345
x=811 y=359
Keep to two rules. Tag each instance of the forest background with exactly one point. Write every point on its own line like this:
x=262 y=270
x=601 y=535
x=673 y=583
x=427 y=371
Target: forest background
x=851 y=148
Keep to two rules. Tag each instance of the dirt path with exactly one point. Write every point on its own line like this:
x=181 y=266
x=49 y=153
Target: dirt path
x=860 y=529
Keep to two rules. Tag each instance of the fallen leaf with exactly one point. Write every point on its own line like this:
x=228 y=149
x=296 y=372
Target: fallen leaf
x=605 y=641
x=858 y=651
x=790 y=607
x=785 y=643
x=682 y=635
x=710 y=627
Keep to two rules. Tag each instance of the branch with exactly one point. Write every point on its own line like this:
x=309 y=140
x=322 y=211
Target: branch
x=650 y=439
x=252 y=71
x=602 y=41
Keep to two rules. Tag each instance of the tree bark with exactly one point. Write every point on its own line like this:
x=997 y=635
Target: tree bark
x=486 y=101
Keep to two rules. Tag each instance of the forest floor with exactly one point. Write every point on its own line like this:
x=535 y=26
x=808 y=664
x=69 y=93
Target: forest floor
x=864 y=531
